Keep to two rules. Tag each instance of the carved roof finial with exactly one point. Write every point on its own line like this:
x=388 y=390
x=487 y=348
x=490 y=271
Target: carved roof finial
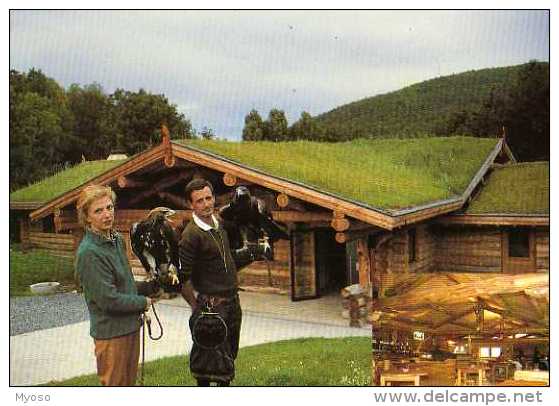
x=165 y=137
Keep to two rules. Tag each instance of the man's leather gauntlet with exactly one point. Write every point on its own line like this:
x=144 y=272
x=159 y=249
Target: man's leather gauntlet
x=251 y=252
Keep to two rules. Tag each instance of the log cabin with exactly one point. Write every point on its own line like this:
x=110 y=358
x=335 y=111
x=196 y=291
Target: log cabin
x=480 y=304
x=359 y=213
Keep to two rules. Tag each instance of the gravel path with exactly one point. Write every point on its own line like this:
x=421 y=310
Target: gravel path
x=31 y=313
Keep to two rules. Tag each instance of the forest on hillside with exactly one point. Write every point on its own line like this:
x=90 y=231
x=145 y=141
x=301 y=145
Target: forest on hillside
x=481 y=103
x=52 y=128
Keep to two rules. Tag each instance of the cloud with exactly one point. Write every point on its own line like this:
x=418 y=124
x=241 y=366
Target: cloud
x=217 y=65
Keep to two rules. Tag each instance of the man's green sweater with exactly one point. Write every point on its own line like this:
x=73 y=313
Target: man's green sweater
x=109 y=289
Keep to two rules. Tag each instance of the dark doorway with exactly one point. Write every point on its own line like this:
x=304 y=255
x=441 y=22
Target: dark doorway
x=330 y=262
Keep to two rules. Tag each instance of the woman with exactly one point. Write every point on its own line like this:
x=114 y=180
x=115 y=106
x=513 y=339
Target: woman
x=109 y=289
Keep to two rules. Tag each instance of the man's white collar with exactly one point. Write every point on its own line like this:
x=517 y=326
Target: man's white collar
x=204 y=226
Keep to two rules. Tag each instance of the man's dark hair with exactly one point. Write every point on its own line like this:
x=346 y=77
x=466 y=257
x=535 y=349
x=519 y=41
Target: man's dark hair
x=196 y=184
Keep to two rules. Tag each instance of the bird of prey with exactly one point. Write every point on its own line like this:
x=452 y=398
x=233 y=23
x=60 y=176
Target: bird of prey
x=155 y=244
x=247 y=220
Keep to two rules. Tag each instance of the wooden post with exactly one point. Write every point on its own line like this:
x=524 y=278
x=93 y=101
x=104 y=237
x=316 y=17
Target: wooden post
x=363 y=258
x=24 y=233
x=169 y=159
x=57 y=219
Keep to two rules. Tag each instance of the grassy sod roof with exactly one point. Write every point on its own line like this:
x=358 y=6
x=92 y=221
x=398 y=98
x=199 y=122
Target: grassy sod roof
x=515 y=189
x=62 y=182
x=388 y=174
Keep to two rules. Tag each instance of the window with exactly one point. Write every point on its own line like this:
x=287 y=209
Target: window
x=489 y=352
x=519 y=243
x=412 y=245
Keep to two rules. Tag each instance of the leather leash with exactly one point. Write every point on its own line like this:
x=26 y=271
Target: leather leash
x=146 y=320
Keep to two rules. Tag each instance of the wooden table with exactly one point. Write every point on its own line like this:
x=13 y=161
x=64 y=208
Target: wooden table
x=524 y=375
x=387 y=378
x=463 y=373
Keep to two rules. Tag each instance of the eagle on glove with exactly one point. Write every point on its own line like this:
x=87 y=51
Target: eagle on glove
x=155 y=243
x=248 y=221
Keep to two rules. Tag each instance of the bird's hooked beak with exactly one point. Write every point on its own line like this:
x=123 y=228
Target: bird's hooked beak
x=167 y=212
x=241 y=193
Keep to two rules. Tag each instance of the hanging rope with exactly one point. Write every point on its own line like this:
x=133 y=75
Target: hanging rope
x=146 y=321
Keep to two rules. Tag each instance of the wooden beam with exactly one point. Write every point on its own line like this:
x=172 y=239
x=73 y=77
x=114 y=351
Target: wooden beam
x=337 y=214
x=340 y=224
x=160 y=187
x=283 y=200
x=176 y=201
x=300 y=217
x=452 y=317
x=358 y=234
x=341 y=238
x=25 y=205
x=125 y=182
x=169 y=161
x=494 y=220
x=229 y=179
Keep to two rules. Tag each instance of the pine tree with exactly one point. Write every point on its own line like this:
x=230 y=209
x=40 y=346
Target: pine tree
x=254 y=127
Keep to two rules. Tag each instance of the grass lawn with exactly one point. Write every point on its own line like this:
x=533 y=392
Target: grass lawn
x=37 y=266
x=299 y=362
x=388 y=174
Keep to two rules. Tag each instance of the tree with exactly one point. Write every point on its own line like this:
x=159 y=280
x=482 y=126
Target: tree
x=40 y=127
x=93 y=124
x=35 y=138
x=527 y=113
x=50 y=127
x=254 y=127
x=275 y=128
x=304 y=128
x=522 y=109
x=138 y=117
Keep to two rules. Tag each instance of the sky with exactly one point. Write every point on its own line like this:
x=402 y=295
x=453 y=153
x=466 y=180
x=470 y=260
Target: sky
x=216 y=66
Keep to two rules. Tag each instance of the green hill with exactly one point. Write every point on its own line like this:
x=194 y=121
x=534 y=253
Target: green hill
x=419 y=109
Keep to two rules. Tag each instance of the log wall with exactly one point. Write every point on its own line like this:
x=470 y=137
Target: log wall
x=392 y=257
x=56 y=244
x=542 y=250
x=256 y=274
x=424 y=251
x=464 y=249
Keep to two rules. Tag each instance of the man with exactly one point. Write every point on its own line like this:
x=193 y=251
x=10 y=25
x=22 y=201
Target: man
x=207 y=260
x=109 y=289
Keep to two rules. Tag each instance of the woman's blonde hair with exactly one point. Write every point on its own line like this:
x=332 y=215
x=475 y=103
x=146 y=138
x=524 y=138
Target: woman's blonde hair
x=87 y=196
